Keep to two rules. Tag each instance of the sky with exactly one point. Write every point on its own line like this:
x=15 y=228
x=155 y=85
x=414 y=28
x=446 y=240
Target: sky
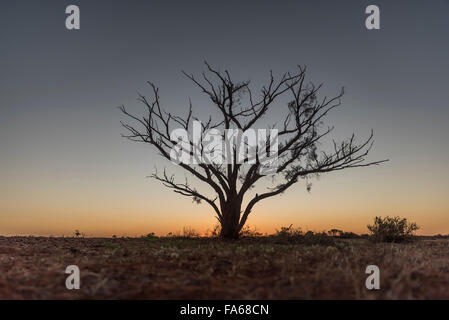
x=65 y=166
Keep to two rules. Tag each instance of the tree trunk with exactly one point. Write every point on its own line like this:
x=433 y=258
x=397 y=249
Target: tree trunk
x=231 y=218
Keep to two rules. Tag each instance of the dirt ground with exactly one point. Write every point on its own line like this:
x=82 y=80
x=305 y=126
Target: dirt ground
x=176 y=268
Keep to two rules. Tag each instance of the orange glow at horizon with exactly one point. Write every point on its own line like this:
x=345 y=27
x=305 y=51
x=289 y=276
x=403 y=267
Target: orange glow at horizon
x=118 y=200
x=345 y=203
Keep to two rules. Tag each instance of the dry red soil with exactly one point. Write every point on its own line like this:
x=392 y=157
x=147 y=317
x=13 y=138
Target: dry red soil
x=174 y=268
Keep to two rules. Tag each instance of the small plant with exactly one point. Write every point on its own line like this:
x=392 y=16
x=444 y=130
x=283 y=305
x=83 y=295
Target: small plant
x=215 y=232
x=78 y=234
x=189 y=232
x=249 y=233
x=296 y=236
x=288 y=232
x=288 y=235
x=392 y=229
x=149 y=236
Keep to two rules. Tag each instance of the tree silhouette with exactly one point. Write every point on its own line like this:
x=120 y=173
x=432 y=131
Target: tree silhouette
x=298 y=151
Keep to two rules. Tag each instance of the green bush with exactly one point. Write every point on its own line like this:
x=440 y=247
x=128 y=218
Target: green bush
x=392 y=229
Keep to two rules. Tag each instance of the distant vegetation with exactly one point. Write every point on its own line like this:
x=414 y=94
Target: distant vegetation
x=388 y=229
x=292 y=235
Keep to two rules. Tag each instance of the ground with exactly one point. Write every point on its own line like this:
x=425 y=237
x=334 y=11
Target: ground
x=262 y=268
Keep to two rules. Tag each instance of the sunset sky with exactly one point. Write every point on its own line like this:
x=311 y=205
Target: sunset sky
x=64 y=165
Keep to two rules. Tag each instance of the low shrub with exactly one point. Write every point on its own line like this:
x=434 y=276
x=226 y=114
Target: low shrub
x=295 y=235
x=247 y=232
x=392 y=229
x=349 y=235
x=189 y=232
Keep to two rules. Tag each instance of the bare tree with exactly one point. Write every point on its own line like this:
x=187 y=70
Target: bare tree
x=299 y=134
